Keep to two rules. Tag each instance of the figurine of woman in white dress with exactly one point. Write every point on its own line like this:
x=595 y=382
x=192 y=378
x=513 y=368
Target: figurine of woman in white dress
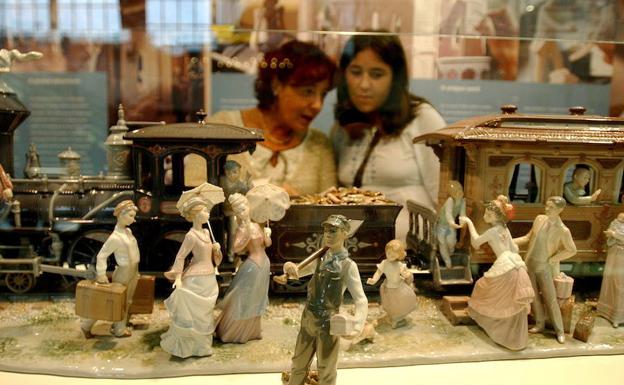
x=192 y=302
x=397 y=296
x=611 y=300
x=501 y=299
x=248 y=296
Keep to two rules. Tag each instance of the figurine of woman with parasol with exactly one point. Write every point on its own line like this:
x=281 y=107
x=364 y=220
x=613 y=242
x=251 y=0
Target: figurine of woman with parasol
x=247 y=298
x=192 y=302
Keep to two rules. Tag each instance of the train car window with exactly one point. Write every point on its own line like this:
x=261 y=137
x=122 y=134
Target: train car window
x=145 y=169
x=183 y=171
x=579 y=179
x=195 y=170
x=525 y=183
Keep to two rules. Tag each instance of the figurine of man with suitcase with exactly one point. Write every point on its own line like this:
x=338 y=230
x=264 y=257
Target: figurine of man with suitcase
x=124 y=246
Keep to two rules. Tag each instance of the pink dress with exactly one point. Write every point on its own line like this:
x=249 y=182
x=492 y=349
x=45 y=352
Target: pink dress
x=248 y=296
x=501 y=300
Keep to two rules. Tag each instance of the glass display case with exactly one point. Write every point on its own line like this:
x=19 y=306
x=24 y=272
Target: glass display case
x=111 y=65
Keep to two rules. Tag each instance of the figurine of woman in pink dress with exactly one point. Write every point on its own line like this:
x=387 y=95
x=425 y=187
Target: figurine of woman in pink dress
x=247 y=298
x=192 y=302
x=397 y=296
x=501 y=299
x=611 y=300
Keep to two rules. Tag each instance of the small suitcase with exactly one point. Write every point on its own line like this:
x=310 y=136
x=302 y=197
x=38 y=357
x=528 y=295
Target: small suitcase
x=106 y=302
x=584 y=326
x=143 y=299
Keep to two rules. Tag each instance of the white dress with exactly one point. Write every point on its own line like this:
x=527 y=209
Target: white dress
x=396 y=167
x=191 y=305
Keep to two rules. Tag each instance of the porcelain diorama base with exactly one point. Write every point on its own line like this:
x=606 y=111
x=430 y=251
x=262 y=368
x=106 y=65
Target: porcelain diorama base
x=44 y=336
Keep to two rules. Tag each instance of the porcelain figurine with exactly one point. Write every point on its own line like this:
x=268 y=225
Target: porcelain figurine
x=33 y=164
x=332 y=273
x=6 y=186
x=8 y=55
x=574 y=191
x=192 y=302
x=500 y=300
x=247 y=297
x=454 y=206
x=232 y=183
x=124 y=246
x=549 y=242
x=611 y=300
x=397 y=295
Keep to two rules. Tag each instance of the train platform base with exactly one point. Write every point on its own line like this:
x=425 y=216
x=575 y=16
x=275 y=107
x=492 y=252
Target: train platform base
x=43 y=336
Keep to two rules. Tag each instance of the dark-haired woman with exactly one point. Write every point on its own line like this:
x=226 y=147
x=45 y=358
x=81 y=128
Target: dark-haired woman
x=377 y=118
x=290 y=88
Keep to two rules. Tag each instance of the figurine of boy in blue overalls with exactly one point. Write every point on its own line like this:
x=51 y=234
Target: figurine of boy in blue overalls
x=332 y=273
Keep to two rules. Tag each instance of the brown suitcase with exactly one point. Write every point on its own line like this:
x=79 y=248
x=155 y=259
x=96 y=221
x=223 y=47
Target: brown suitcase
x=584 y=326
x=106 y=302
x=143 y=299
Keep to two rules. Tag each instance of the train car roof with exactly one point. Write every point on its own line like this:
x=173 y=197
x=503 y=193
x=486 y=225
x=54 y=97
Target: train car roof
x=195 y=132
x=512 y=127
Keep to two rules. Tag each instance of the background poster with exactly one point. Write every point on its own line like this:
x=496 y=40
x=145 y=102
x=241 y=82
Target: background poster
x=67 y=110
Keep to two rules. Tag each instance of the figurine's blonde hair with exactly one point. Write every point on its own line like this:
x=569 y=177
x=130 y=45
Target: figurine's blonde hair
x=191 y=207
x=398 y=247
x=455 y=185
x=124 y=206
x=238 y=202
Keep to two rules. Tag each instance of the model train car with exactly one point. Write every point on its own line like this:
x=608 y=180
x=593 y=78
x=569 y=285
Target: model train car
x=528 y=158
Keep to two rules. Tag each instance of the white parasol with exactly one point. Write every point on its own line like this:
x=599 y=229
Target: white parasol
x=209 y=193
x=267 y=202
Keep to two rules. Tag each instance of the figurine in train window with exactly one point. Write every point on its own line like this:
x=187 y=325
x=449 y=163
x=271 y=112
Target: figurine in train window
x=524 y=185
x=124 y=246
x=397 y=295
x=611 y=300
x=446 y=227
x=577 y=190
x=500 y=300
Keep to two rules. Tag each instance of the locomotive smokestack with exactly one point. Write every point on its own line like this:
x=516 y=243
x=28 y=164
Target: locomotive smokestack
x=118 y=149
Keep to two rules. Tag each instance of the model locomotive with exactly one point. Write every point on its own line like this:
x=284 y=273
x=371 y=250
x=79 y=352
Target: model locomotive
x=64 y=221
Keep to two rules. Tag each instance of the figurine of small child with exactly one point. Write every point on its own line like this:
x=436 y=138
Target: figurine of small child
x=611 y=300
x=397 y=296
x=446 y=227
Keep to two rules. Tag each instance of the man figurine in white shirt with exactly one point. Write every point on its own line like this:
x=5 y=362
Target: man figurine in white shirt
x=331 y=275
x=124 y=246
x=549 y=242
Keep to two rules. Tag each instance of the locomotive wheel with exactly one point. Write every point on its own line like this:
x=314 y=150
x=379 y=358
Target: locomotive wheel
x=19 y=283
x=85 y=248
